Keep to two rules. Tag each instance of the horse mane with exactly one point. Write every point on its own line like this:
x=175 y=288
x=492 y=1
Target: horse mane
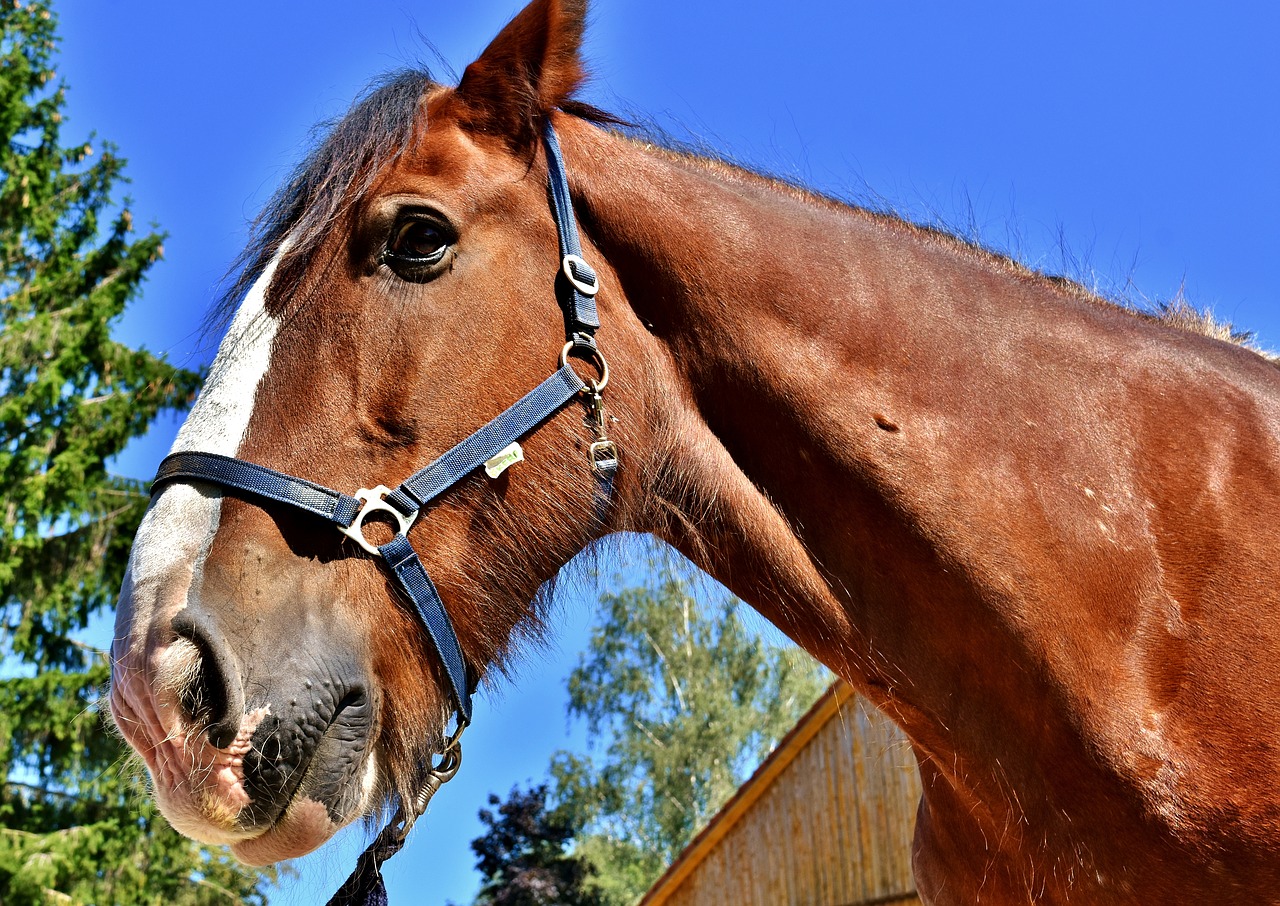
x=1177 y=312
x=1182 y=313
x=382 y=124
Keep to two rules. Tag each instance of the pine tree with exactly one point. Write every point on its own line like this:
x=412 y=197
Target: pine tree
x=74 y=823
x=685 y=700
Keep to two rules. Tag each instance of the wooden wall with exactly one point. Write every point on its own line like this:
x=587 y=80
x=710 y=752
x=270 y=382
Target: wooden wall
x=825 y=821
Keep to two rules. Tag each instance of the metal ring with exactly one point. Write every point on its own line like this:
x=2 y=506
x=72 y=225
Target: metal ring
x=587 y=289
x=374 y=502
x=593 y=353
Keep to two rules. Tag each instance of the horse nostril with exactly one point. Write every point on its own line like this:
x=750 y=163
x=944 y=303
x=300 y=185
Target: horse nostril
x=203 y=696
x=203 y=690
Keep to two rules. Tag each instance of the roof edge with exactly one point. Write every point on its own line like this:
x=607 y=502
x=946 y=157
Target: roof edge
x=789 y=747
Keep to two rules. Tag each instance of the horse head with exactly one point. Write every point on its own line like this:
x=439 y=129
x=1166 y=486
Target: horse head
x=401 y=294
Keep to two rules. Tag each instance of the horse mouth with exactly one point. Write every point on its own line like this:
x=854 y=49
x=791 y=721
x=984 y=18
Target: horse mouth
x=281 y=787
x=304 y=825
x=302 y=801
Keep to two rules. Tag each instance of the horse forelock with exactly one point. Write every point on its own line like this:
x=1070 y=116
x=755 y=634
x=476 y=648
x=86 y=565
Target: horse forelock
x=380 y=126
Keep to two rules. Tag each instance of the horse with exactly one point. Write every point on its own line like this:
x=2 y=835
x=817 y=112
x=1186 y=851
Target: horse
x=1032 y=526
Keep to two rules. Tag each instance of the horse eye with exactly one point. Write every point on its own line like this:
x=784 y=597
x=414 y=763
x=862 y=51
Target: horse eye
x=418 y=249
x=418 y=241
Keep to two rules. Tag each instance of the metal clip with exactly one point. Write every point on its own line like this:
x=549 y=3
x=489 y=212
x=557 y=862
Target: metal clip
x=603 y=452
x=604 y=456
x=438 y=773
x=595 y=413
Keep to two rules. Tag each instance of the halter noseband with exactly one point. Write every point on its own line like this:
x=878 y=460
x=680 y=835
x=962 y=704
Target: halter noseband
x=494 y=447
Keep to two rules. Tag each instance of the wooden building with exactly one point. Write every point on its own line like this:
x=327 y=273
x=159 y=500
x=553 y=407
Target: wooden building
x=826 y=820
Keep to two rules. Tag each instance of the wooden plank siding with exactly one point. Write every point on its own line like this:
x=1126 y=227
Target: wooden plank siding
x=826 y=820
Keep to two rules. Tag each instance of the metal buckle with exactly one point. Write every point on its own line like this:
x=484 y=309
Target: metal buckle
x=604 y=456
x=375 y=502
x=587 y=289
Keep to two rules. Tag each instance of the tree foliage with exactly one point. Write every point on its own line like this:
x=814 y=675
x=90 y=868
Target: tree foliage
x=72 y=826
x=522 y=855
x=683 y=700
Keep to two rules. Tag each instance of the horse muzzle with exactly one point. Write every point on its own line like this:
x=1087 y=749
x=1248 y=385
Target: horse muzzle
x=263 y=745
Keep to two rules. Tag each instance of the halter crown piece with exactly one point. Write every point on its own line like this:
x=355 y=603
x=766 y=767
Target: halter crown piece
x=494 y=446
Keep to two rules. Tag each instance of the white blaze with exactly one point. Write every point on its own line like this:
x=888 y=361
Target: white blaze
x=201 y=790
x=220 y=418
x=177 y=531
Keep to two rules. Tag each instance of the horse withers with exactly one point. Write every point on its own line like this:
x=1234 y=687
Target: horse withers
x=1032 y=526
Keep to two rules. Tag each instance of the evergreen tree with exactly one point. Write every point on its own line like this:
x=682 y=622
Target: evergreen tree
x=685 y=700
x=73 y=824
x=522 y=855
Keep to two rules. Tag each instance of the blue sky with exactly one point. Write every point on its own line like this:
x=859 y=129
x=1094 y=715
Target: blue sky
x=1128 y=144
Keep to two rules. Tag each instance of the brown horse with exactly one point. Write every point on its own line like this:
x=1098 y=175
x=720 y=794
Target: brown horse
x=1035 y=528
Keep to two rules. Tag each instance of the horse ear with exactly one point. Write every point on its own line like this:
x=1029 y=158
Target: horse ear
x=532 y=67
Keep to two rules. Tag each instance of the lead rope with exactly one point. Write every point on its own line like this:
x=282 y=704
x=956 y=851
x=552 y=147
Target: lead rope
x=365 y=886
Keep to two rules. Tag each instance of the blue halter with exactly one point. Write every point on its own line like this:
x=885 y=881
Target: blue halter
x=488 y=446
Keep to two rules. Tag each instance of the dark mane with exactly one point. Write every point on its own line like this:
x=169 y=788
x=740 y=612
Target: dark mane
x=1178 y=312
x=377 y=129
x=381 y=124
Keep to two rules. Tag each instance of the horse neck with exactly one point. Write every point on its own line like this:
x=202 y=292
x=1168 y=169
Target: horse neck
x=672 y=233
x=974 y=492
x=824 y=384
x=798 y=348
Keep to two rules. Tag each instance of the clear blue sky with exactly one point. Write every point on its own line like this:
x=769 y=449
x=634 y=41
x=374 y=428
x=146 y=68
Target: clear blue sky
x=1139 y=136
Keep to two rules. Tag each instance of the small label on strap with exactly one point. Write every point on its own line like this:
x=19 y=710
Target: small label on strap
x=505 y=458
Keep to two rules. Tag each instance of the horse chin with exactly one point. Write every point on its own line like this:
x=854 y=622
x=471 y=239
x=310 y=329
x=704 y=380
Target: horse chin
x=307 y=823
x=201 y=791
x=304 y=826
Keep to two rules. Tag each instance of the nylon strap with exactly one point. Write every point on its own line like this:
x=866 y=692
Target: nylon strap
x=258 y=481
x=515 y=422
x=581 y=318
x=604 y=490
x=411 y=577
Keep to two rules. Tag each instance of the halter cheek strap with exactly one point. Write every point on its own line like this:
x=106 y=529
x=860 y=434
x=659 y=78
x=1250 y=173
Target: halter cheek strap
x=578 y=301
x=492 y=446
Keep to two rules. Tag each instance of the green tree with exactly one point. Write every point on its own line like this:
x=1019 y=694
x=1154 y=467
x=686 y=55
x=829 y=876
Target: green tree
x=522 y=855
x=73 y=828
x=683 y=700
